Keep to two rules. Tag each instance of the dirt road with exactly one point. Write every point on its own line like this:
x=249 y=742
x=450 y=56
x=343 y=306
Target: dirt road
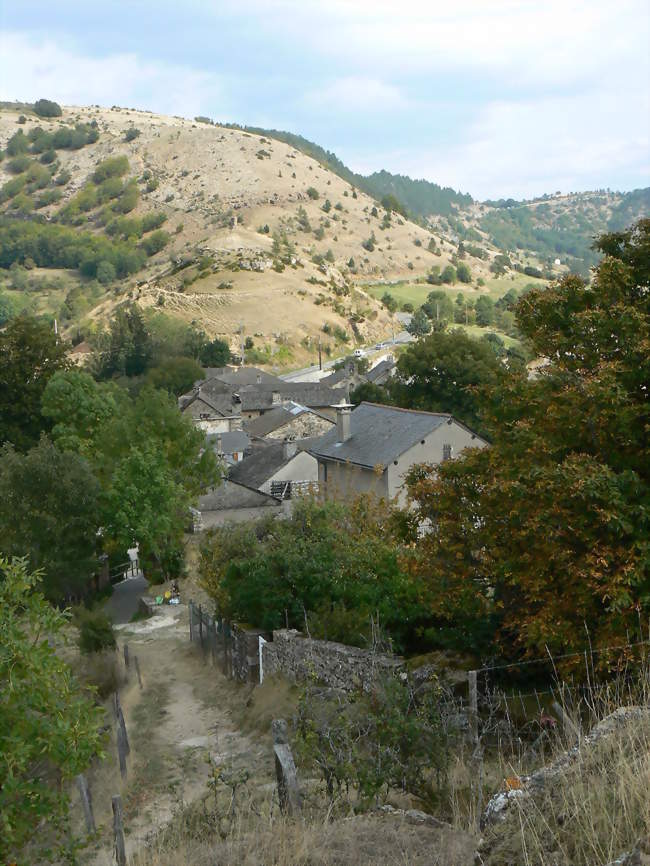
x=180 y=725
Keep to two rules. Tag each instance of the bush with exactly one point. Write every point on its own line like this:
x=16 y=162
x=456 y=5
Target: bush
x=392 y=738
x=18 y=143
x=313 y=193
x=18 y=164
x=105 y=273
x=114 y=166
x=155 y=242
x=47 y=108
x=131 y=133
x=95 y=632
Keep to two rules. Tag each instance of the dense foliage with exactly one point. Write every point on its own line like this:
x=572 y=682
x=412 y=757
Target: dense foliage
x=545 y=535
x=49 y=730
x=329 y=567
x=30 y=354
x=50 y=510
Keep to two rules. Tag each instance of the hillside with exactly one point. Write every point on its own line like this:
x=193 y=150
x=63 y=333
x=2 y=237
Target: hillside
x=244 y=234
x=256 y=234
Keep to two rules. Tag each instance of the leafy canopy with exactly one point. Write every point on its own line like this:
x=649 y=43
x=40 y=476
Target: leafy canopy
x=546 y=533
x=49 y=729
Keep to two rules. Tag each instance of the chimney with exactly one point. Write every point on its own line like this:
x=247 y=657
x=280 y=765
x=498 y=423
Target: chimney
x=259 y=378
x=343 y=432
x=290 y=448
x=219 y=444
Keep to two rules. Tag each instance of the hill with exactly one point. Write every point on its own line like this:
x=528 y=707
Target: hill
x=217 y=226
x=242 y=233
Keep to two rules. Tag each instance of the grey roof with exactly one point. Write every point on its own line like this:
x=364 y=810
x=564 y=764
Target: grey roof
x=201 y=403
x=381 y=372
x=266 y=459
x=238 y=376
x=379 y=434
x=235 y=440
x=260 y=397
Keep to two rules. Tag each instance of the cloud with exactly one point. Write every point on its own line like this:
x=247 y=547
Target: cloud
x=31 y=67
x=524 y=148
x=354 y=95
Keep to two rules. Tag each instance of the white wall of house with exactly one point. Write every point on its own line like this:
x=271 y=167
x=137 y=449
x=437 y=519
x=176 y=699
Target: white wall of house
x=302 y=467
x=430 y=450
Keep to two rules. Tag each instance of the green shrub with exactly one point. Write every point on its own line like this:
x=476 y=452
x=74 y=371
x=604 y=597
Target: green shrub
x=131 y=133
x=18 y=164
x=47 y=108
x=95 y=632
x=313 y=193
x=114 y=166
x=155 y=242
x=17 y=144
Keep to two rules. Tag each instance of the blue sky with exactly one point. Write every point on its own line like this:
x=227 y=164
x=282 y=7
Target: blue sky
x=493 y=97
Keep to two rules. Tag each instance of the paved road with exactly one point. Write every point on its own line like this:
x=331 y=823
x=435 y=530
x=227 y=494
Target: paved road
x=313 y=374
x=123 y=603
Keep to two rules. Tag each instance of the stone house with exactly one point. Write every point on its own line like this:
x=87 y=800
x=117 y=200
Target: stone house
x=280 y=469
x=373 y=447
x=289 y=421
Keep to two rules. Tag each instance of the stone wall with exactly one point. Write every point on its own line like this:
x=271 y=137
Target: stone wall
x=336 y=665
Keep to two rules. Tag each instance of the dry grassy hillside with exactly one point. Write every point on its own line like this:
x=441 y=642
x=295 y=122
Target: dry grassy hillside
x=226 y=193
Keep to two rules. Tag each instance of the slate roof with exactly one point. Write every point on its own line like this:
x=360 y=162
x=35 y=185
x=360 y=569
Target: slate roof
x=379 y=434
x=235 y=440
x=381 y=372
x=260 y=397
x=266 y=459
x=239 y=376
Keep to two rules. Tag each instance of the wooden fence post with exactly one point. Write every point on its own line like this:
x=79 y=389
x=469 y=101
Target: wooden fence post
x=473 y=706
x=122 y=725
x=121 y=750
x=137 y=670
x=86 y=803
x=191 y=611
x=201 y=625
x=126 y=655
x=118 y=831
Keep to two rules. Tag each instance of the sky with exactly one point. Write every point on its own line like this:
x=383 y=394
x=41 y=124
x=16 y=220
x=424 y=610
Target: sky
x=498 y=98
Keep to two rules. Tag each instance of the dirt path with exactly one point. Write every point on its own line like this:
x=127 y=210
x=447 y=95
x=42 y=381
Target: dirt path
x=180 y=725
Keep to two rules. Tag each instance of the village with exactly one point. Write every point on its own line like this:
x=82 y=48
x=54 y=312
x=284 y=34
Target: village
x=279 y=440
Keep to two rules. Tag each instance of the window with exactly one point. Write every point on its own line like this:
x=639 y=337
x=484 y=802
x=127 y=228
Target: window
x=446 y=451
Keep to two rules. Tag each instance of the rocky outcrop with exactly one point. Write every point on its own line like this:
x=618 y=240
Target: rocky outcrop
x=527 y=786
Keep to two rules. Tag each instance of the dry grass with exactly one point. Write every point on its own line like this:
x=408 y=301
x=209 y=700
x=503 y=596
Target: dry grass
x=367 y=840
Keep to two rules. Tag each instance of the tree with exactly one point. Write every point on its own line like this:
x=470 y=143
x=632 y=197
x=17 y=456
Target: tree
x=420 y=324
x=176 y=375
x=370 y=393
x=441 y=372
x=126 y=349
x=463 y=272
x=544 y=536
x=484 y=310
x=78 y=407
x=439 y=306
x=49 y=511
x=449 y=274
x=150 y=461
x=49 y=729
x=47 y=108
x=105 y=273
x=216 y=353
x=30 y=354
x=335 y=563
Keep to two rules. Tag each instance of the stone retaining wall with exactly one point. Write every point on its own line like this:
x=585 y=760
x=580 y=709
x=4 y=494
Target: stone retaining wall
x=334 y=664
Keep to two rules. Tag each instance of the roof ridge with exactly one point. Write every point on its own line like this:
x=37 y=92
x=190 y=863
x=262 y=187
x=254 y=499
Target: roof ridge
x=402 y=409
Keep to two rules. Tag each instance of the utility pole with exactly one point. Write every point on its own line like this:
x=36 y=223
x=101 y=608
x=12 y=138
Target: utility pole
x=241 y=342
x=320 y=354
x=466 y=313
